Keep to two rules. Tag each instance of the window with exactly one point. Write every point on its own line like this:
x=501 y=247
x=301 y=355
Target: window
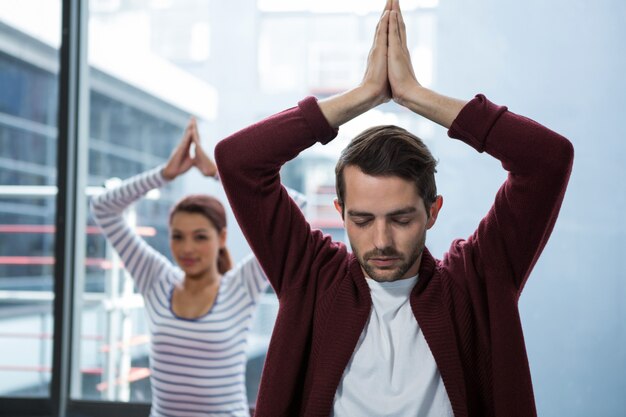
x=28 y=151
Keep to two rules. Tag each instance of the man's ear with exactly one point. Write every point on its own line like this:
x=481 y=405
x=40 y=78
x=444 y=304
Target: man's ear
x=434 y=211
x=338 y=207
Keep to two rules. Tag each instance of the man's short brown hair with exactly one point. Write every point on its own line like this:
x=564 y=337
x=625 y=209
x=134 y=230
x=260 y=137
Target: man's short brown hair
x=390 y=151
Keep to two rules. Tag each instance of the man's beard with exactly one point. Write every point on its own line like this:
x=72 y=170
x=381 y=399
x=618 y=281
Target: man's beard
x=408 y=260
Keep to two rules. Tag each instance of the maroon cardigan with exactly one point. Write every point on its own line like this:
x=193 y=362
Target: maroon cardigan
x=466 y=303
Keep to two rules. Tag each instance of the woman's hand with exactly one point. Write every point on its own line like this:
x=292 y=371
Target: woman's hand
x=180 y=161
x=201 y=160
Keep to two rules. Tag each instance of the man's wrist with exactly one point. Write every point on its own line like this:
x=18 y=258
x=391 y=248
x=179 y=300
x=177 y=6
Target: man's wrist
x=346 y=106
x=414 y=98
x=370 y=96
x=432 y=105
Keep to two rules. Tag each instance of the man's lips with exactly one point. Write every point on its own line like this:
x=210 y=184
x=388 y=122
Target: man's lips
x=382 y=262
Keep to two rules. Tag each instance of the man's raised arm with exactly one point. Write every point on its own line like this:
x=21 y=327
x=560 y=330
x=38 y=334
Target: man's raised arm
x=249 y=163
x=514 y=232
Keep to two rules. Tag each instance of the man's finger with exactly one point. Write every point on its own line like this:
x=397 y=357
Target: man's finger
x=388 y=6
x=401 y=26
x=394 y=35
x=402 y=29
x=380 y=36
x=378 y=31
x=382 y=32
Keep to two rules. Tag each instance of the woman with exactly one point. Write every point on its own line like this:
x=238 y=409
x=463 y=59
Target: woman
x=199 y=312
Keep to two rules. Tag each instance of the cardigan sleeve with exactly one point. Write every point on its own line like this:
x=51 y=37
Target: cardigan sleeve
x=143 y=262
x=249 y=272
x=510 y=238
x=249 y=163
x=297 y=197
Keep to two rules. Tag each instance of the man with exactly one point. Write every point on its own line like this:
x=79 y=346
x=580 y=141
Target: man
x=388 y=330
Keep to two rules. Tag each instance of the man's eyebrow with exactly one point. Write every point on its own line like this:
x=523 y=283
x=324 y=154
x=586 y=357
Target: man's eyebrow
x=400 y=212
x=357 y=213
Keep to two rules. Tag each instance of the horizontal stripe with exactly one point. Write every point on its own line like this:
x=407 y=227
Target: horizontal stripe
x=178 y=354
x=197 y=386
x=165 y=372
x=181 y=396
x=196 y=365
x=176 y=325
x=202 y=348
x=193 y=404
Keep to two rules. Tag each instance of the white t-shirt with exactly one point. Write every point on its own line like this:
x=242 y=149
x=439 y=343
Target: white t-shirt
x=392 y=372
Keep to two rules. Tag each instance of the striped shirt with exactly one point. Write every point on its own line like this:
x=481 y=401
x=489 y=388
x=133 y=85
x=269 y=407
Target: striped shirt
x=197 y=365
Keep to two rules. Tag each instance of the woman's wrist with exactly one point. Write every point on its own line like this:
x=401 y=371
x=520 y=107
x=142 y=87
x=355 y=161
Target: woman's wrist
x=166 y=175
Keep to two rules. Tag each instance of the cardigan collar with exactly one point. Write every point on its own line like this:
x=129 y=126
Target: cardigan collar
x=434 y=319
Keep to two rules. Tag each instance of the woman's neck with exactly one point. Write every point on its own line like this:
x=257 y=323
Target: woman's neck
x=197 y=283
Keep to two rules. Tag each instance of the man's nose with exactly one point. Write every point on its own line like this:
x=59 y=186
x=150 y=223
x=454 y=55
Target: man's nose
x=382 y=235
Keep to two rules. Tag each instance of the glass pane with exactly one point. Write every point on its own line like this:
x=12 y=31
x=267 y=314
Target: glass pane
x=28 y=141
x=125 y=139
x=135 y=121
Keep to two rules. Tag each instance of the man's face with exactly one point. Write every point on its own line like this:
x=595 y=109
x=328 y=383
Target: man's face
x=386 y=222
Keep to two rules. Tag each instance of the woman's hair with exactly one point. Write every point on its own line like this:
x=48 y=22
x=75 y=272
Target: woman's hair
x=213 y=210
x=390 y=151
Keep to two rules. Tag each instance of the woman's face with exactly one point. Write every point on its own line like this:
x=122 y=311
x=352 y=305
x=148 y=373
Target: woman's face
x=195 y=244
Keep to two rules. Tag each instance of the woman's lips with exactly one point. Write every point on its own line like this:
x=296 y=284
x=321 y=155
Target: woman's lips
x=187 y=262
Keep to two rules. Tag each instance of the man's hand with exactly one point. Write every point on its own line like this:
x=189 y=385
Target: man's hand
x=405 y=89
x=373 y=90
x=402 y=79
x=376 y=80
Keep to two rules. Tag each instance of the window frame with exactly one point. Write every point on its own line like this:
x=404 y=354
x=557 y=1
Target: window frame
x=70 y=222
